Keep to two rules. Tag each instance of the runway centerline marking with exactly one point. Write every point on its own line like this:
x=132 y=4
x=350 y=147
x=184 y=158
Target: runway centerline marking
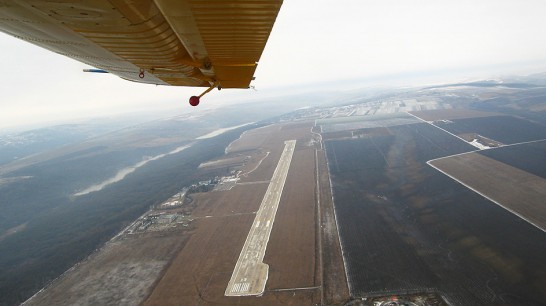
x=250 y=273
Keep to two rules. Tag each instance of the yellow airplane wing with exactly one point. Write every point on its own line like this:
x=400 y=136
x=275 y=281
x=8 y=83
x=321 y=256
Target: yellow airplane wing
x=206 y=43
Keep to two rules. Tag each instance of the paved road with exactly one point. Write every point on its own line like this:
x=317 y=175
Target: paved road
x=250 y=273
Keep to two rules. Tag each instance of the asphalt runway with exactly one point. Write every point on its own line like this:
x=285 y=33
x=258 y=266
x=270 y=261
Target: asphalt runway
x=250 y=274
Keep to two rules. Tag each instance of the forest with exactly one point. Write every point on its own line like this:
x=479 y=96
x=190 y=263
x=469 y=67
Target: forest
x=55 y=239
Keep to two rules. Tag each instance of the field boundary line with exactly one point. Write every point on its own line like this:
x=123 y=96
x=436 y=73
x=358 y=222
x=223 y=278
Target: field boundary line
x=430 y=123
x=493 y=148
x=485 y=196
x=517 y=144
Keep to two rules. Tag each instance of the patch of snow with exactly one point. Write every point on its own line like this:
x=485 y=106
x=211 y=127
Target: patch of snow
x=477 y=144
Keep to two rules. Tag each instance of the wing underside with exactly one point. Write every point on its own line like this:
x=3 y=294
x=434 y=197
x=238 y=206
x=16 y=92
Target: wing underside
x=173 y=42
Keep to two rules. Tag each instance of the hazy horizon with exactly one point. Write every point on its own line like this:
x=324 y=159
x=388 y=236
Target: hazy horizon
x=313 y=46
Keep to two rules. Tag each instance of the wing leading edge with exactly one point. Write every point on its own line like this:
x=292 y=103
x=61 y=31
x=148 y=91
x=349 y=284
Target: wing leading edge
x=167 y=42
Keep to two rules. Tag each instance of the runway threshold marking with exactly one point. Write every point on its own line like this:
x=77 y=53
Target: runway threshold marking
x=250 y=273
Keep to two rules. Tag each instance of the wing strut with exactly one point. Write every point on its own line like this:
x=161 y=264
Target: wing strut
x=194 y=100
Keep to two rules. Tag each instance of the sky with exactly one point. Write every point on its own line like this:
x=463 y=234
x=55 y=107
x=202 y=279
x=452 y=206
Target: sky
x=315 y=44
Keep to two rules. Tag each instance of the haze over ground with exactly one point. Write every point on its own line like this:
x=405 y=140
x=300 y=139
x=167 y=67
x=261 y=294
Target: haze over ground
x=350 y=43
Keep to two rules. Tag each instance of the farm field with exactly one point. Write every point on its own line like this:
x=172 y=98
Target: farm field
x=129 y=265
x=406 y=227
x=514 y=189
x=360 y=122
x=504 y=129
x=335 y=290
x=450 y=114
x=529 y=157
